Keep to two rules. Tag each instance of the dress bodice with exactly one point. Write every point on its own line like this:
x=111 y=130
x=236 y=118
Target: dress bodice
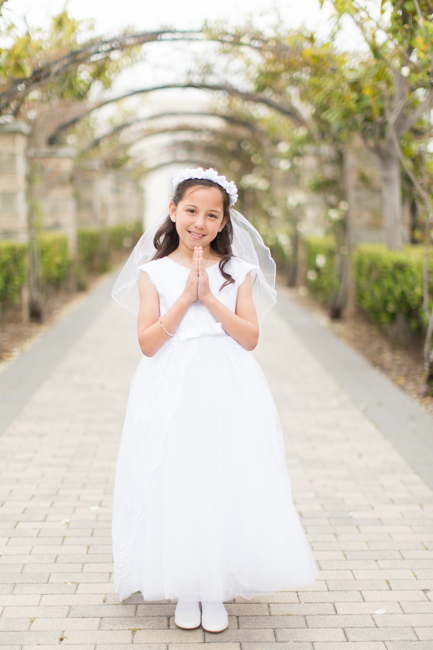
x=170 y=278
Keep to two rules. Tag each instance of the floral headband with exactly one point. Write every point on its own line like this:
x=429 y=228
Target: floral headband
x=210 y=175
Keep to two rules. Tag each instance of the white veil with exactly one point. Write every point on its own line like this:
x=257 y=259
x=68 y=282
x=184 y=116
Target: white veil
x=247 y=244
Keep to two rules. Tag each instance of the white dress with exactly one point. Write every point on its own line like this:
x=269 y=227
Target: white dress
x=202 y=497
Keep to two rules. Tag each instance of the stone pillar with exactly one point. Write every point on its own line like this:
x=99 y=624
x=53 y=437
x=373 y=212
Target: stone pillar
x=313 y=205
x=364 y=194
x=131 y=209
x=54 y=192
x=89 y=185
x=13 y=181
x=108 y=195
x=127 y=199
x=120 y=197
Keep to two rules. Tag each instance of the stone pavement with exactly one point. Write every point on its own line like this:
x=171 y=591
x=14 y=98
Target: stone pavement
x=366 y=513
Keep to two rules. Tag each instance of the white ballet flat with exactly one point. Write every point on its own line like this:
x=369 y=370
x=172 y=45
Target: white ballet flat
x=214 y=617
x=187 y=615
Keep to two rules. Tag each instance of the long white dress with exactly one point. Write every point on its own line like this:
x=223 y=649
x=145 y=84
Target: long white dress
x=202 y=497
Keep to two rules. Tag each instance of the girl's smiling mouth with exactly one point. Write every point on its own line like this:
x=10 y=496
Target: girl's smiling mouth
x=195 y=235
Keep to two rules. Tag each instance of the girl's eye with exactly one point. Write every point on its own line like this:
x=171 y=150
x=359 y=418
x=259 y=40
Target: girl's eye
x=214 y=216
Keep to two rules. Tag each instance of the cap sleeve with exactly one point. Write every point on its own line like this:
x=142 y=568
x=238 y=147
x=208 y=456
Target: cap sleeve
x=152 y=271
x=242 y=268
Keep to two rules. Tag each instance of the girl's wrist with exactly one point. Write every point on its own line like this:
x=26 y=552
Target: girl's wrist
x=209 y=300
x=185 y=299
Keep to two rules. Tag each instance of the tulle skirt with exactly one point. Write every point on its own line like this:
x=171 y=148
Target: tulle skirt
x=202 y=498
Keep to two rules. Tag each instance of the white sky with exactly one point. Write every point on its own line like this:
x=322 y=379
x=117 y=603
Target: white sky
x=186 y=14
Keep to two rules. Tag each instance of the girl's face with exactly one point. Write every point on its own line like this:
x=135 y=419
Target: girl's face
x=199 y=216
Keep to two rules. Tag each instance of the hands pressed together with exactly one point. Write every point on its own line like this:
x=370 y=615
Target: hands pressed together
x=241 y=325
x=197 y=285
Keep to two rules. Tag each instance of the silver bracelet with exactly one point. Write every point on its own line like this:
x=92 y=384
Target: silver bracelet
x=160 y=322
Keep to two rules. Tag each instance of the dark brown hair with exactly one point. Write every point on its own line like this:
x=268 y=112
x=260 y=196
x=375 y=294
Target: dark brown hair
x=166 y=239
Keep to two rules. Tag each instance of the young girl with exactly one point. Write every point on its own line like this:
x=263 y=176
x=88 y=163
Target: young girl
x=202 y=498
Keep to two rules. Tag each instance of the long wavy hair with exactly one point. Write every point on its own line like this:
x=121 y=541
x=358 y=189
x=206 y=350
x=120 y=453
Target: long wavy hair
x=166 y=239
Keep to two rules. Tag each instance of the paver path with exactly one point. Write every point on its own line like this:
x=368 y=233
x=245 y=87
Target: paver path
x=367 y=515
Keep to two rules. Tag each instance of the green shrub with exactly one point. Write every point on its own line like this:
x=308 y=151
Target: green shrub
x=13 y=270
x=55 y=261
x=278 y=254
x=95 y=244
x=93 y=251
x=319 y=263
x=124 y=235
x=388 y=282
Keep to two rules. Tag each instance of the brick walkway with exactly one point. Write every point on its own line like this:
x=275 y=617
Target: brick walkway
x=367 y=515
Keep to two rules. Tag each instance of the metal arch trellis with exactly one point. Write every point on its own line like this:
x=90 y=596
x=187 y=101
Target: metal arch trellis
x=118 y=129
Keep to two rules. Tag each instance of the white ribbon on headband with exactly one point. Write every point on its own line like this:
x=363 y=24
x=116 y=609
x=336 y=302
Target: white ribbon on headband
x=214 y=329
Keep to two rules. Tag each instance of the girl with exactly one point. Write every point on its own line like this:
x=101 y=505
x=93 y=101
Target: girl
x=202 y=499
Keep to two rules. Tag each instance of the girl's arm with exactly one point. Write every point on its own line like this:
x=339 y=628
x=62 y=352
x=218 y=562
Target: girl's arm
x=243 y=325
x=151 y=336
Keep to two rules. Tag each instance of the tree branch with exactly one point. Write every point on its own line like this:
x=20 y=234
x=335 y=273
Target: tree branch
x=410 y=120
x=383 y=30
x=17 y=88
x=284 y=109
x=181 y=128
x=228 y=118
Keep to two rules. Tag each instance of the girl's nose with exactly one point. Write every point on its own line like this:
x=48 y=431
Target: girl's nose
x=199 y=222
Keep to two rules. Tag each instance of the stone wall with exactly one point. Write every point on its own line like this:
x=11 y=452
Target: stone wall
x=364 y=194
x=66 y=196
x=53 y=191
x=13 y=182
x=106 y=197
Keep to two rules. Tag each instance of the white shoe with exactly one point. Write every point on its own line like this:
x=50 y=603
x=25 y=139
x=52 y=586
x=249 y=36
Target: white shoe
x=214 y=617
x=187 y=615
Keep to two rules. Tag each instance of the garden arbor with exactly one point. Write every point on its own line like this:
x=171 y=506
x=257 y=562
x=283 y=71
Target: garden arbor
x=284 y=64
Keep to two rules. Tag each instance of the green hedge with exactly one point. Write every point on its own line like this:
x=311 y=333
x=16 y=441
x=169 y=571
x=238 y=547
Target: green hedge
x=93 y=251
x=55 y=259
x=388 y=282
x=124 y=236
x=319 y=264
x=95 y=245
x=94 y=248
x=13 y=270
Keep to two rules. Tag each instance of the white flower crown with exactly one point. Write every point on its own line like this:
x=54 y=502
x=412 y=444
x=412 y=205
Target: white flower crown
x=210 y=175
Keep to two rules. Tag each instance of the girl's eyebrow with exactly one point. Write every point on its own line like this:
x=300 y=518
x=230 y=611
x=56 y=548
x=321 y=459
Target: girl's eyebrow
x=191 y=205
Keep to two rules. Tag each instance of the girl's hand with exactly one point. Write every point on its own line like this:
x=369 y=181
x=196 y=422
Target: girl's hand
x=191 y=287
x=204 y=291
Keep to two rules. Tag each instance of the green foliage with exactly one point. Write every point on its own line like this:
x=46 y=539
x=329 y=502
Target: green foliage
x=372 y=91
x=93 y=252
x=319 y=263
x=13 y=270
x=95 y=245
x=124 y=235
x=279 y=255
x=388 y=282
x=94 y=248
x=55 y=260
x=61 y=62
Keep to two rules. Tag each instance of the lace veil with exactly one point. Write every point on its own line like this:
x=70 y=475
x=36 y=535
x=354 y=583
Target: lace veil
x=247 y=244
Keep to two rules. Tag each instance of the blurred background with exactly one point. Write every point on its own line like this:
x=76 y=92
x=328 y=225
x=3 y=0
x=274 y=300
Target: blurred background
x=319 y=111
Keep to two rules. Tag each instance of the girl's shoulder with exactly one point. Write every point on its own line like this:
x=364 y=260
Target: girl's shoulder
x=152 y=265
x=238 y=269
x=155 y=269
